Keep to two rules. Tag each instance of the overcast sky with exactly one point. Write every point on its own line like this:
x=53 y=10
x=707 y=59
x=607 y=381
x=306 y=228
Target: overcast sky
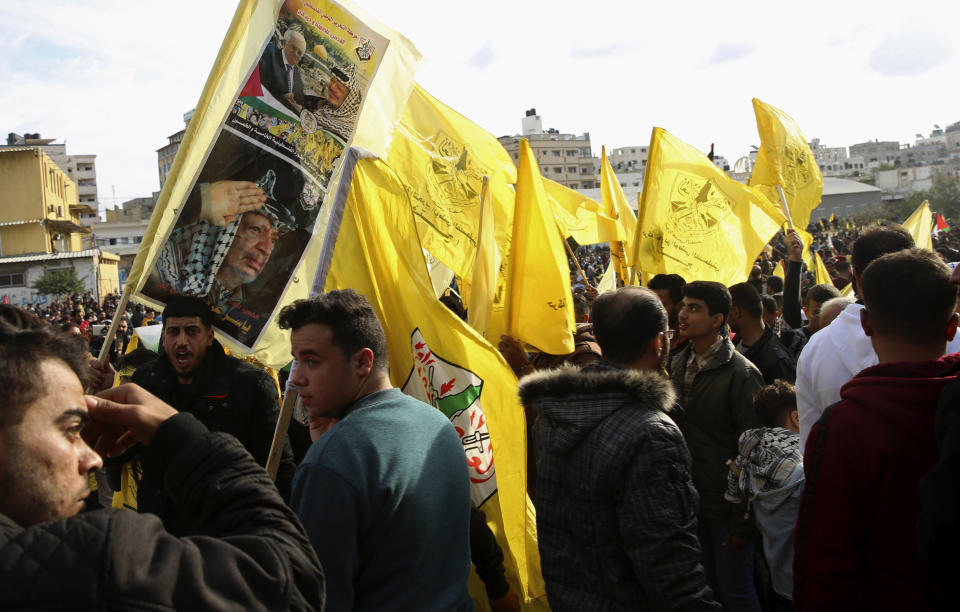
x=114 y=78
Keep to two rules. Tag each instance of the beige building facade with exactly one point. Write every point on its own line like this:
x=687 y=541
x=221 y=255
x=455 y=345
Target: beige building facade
x=39 y=206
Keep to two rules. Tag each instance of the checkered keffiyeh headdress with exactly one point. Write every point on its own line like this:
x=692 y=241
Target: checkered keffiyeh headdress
x=340 y=121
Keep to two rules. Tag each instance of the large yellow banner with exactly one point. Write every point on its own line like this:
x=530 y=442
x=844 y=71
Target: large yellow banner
x=242 y=217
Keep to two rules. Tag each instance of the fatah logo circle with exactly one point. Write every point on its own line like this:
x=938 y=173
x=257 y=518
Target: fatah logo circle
x=309 y=121
x=696 y=208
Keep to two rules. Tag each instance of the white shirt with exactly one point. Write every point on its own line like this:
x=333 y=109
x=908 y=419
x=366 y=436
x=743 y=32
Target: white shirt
x=833 y=356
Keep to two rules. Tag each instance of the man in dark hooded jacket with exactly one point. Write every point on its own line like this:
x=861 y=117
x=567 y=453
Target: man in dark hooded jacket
x=616 y=506
x=856 y=542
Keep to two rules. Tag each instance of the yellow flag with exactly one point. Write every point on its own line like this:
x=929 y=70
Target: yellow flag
x=785 y=158
x=378 y=254
x=823 y=277
x=920 y=226
x=807 y=252
x=696 y=221
x=539 y=300
x=250 y=134
x=579 y=217
x=442 y=157
x=485 y=267
x=778 y=271
x=615 y=205
x=608 y=282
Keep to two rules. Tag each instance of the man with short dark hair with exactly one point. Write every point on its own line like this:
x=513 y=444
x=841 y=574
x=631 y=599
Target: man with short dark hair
x=669 y=288
x=755 y=340
x=773 y=284
x=254 y=554
x=844 y=276
x=856 y=538
x=385 y=493
x=715 y=386
x=616 y=507
x=836 y=353
x=194 y=374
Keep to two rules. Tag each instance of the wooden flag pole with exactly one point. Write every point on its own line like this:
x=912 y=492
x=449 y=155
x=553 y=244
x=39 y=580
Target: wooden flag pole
x=586 y=281
x=786 y=209
x=112 y=332
x=280 y=431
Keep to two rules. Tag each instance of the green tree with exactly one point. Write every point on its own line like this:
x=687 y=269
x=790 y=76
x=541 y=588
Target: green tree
x=944 y=194
x=59 y=283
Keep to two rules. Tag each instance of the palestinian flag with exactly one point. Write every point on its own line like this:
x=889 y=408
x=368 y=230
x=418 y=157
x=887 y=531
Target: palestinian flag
x=940 y=225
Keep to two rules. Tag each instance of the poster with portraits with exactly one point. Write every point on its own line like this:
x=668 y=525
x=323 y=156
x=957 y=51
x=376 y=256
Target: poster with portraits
x=255 y=204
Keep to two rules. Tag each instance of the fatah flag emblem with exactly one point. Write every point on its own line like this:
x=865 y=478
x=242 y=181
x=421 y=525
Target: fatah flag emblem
x=456 y=392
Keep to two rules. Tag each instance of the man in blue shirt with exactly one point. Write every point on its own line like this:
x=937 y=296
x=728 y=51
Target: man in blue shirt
x=384 y=494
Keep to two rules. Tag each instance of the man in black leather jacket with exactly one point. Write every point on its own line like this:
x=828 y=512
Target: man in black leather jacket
x=254 y=555
x=193 y=375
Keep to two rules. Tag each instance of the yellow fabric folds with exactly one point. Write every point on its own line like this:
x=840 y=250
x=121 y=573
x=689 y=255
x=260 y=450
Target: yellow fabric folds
x=694 y=220
x=823 y=277
x=378 y=254
x=539 y=300
x=614 y=204
x=442 y=157
x=785 y=158
x=920 y=226
x=485 y=266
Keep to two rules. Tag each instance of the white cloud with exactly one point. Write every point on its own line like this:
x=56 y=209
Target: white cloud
x=909 y=55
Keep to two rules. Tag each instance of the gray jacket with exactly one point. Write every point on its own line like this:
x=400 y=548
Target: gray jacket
x=615 y=502
x=776 y=515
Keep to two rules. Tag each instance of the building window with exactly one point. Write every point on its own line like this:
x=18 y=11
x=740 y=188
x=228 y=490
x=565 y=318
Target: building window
x=572 y=169
x=12 y=280
x=571 y=153
x=558 y=170
x=556 y=153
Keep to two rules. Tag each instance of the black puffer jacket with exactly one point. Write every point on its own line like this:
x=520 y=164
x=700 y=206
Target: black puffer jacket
x=257 y=556
x=227 y=395
x=615 y=500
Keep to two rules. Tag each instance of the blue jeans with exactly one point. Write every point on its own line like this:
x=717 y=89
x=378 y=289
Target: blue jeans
x=730 y=572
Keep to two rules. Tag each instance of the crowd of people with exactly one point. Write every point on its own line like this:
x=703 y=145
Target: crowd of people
x=763 y=446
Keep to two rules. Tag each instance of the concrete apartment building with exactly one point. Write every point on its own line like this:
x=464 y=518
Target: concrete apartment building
x=81 y=169
x=41 y=229
x=124 y=229
x=168 y=152
x=565 y=158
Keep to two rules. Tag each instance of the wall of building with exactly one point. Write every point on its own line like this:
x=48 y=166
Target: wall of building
x=34 y=188
x=564 y=158
x=25 y=295
x=109 y=274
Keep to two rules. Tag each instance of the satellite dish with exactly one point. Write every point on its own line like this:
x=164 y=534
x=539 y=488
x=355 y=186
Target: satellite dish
x=742 y=165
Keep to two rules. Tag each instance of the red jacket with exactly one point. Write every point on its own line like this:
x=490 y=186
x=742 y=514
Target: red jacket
x=856 y=542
